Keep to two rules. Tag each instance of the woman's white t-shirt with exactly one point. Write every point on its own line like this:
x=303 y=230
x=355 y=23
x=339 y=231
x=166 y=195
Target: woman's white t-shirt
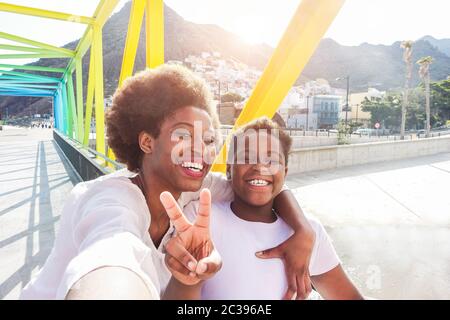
x=105 y=222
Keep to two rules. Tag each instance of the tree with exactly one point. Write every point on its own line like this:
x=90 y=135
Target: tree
x=231 y=97
x=440 y=91
x=386 y=111
x=407 y=58
x=424 y=72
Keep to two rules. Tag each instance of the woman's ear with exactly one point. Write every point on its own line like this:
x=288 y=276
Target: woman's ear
x=228 y=172
x=146 y=142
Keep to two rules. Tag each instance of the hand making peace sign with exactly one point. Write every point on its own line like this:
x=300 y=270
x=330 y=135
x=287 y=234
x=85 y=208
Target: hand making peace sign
x=191 y=256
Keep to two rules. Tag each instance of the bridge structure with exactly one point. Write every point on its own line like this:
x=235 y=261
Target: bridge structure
x=73 y=110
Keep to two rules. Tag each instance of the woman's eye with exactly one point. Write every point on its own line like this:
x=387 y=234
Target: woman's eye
x=209 y=141
x=183 y=135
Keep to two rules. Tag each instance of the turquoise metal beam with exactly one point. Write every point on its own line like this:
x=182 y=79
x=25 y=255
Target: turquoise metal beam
x=21 y=85
x=12 y=94
x=27 y=80
x=30 y=76
x=64 y=108
x=24 y=90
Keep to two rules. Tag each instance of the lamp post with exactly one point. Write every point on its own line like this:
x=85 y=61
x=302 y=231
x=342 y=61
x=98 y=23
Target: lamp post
x=346 y=104
x=307 y=111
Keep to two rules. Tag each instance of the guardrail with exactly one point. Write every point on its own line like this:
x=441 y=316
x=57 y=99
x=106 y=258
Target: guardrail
x=88 y=163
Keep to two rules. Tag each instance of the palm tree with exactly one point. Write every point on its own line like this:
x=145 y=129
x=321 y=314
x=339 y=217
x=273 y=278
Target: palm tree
x=424 y=72
x=407 y=58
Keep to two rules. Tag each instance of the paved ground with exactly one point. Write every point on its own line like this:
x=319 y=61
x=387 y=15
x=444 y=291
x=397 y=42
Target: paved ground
x=390 y=222
x=34 y=183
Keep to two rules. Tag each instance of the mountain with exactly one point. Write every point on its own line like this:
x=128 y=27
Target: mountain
x=443 y=45
x=379 y=66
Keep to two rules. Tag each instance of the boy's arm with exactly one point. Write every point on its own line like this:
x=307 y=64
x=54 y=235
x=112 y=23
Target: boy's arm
x=295 y=251
x=287 y=207
x=178 y=291
x=217 y=183
x=335 y=285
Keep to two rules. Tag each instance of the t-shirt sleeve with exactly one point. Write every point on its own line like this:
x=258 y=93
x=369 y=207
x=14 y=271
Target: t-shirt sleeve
x=107 y=232
x=217 y=183
x=324 y=257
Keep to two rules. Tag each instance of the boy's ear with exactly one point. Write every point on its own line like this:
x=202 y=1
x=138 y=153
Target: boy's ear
x=146 y=142
x=228 y=172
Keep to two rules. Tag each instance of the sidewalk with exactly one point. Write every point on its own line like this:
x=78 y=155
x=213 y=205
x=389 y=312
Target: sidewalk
x=390 y=223
x=34 y=183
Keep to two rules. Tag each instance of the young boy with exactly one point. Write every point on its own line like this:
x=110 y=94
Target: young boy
x=257 y=168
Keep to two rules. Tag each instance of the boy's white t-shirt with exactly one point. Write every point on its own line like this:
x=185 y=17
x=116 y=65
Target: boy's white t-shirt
x=243 y=275
x=105 y=222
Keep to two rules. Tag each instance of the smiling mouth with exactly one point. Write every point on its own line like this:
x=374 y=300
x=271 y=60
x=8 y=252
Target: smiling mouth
x=258 y=182
x=193 y=169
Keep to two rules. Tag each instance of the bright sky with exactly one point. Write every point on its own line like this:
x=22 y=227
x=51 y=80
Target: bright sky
x=372 y=21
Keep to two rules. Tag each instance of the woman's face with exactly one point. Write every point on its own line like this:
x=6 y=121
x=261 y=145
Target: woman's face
x=184 y=150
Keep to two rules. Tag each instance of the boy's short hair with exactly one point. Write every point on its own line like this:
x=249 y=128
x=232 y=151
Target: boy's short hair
x=145 y=100
x=271 y=127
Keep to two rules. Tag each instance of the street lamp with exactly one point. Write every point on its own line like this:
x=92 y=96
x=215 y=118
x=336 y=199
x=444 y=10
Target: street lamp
x=307 y=111
x=346 y=104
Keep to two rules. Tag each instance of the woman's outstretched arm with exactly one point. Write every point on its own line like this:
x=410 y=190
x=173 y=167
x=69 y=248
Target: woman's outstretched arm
x=110 y=283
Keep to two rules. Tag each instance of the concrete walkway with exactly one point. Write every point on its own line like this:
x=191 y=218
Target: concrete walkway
x=390 y=223
x=34 y=183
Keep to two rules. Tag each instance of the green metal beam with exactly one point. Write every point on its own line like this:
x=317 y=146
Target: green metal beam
x=19 y=48
x=38 y=44
x=33 y=56
x=31 y=68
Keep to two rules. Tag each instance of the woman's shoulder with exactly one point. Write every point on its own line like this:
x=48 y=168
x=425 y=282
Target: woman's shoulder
x=108 y=194
x=116 y=186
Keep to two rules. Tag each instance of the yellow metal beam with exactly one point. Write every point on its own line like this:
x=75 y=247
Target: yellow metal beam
x=99 y=97
x=12 y=8
x=307 y=27
x=154 y=31
x=132 y=41
x=89 y=100
x=104 y=11
x=72 y=109
x=79 y=94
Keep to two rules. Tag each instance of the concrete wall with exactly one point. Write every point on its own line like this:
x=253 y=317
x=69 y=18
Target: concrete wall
x=332 y=157
x=299 y=142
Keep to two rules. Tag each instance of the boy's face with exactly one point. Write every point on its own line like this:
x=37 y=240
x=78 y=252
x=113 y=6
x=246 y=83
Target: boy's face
x=258 y=172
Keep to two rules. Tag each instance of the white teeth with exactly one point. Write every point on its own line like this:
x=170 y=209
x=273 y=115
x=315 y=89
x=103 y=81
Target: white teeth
x=258 y=182
x=194 y=166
